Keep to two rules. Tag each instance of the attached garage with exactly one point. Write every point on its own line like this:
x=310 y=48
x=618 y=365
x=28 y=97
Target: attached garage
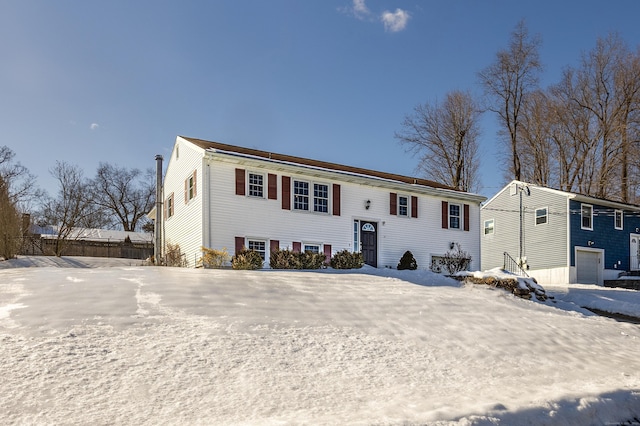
x=588 y=266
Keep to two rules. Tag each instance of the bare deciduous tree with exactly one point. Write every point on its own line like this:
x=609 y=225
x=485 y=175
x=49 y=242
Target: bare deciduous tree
x=445 y=136
x=508 y=82
x=67 y=211
x=127 y=194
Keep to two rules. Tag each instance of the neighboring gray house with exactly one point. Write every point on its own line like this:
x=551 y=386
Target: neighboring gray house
x=560 y=237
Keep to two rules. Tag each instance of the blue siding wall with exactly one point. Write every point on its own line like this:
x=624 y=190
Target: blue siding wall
x=615 y=242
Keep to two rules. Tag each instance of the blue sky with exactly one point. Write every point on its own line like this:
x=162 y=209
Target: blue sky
x=116 y=81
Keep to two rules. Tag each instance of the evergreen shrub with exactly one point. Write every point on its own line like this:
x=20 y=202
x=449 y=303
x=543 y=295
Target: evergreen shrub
x=246 y=259
x=287 y=259
x=407 y=261
x=347 y=260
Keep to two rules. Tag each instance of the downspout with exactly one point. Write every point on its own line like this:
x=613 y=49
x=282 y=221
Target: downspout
x=157 y=252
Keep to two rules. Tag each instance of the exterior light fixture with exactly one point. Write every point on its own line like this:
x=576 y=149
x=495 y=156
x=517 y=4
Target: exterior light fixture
x=367 y=204
x=590 y=243
x=452 y=245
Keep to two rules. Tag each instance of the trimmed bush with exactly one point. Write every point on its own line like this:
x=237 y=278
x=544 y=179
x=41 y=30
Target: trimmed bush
x=246 y=259
x=407 y=261
x=347 y=260
x=312 y=260
x=287 y=259
x=284 y=259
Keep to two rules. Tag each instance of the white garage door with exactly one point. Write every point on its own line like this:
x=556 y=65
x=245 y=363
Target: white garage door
x=587 y=266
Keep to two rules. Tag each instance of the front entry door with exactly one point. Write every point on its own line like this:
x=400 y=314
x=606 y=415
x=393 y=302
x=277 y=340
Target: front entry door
x=369 y=239
x=634 y=253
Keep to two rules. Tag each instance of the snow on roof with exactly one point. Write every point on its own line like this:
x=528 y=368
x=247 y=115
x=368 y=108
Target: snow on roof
x=91 y=234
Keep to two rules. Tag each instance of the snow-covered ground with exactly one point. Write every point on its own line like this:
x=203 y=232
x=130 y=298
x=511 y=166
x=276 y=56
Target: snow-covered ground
x=87 y=344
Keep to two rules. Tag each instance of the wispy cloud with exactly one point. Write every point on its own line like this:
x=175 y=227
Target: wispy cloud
x=395 y=21
x=392 y=21
x=94 y=126
x=360 y=9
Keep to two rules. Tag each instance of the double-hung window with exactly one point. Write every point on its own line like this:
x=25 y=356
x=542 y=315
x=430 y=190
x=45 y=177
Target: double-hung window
x=454 y=216
x=169 y=206
x=300 y=195
x=256 y=185
x=320 y=198
x=619 y=224
x=541 y=216
x=586 y=213
x=489 y=226
x=403 y=205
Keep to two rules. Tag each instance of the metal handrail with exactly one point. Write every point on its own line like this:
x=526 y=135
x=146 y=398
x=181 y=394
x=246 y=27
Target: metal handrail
x=511 y=265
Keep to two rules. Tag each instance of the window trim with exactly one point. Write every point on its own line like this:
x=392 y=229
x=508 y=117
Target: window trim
x=170 y=206
x=406 y=206
x=296 y=195
x=263 y=254
x=311 y=198
x=249 y=184
x=492 y=228
x=615 y=219
x=546 y=216
x=315 y=198
x=582 y=217
x=458 y=216
x=307 y=245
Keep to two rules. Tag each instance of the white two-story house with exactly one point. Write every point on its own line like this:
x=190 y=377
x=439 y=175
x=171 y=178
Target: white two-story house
x=223 y=196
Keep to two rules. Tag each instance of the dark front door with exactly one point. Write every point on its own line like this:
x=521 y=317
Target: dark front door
x=369 y=239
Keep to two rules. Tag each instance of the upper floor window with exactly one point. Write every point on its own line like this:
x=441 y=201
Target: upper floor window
x=586 y=213
x=454 y=216
x=541 y=216
x=169 y=206
x=256 y=185
x=489 y=226
x=300 y=195
x=619 y=224
x=320 y=198
x=190 y=189
x=403 y=205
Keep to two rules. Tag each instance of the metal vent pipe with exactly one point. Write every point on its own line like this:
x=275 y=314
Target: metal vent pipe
x=157 y=247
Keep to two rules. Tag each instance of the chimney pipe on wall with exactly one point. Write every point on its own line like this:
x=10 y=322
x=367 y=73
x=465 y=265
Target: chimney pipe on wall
x=157 y=247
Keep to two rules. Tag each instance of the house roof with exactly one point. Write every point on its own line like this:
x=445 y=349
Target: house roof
x=572 y=195
x=206 y=145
